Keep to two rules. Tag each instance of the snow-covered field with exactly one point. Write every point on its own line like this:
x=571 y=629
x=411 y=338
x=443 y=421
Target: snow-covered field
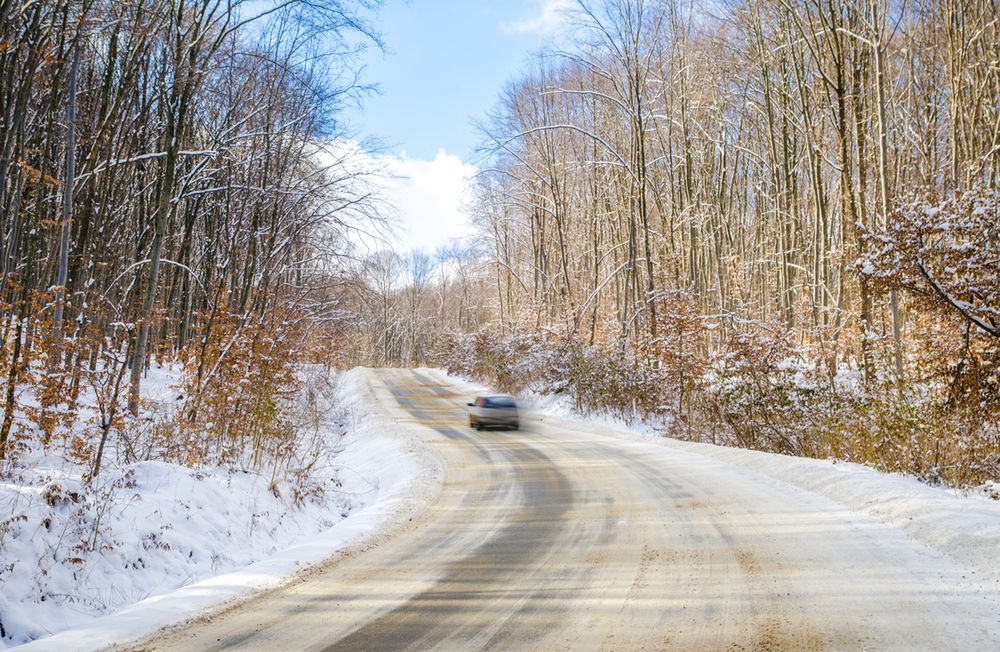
x=962 y=525
x=157 y=543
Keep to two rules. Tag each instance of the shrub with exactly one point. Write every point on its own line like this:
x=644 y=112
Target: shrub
x=512 y=362
x=762 y=391
x=762 y=394
x=234 y=380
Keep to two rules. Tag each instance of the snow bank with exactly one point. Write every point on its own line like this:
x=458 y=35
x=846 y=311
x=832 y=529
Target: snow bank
x=220 y=535
x=961 y=525
x=964 y=526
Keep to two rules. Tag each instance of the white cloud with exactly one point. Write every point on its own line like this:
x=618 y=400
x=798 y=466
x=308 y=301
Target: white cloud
x=430 y=197
x=424 y=201
x=546 y=20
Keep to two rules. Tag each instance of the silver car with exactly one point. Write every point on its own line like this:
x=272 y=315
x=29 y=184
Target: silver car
x=493 y=410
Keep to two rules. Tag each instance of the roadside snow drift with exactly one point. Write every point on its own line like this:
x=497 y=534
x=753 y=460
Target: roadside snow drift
x=66 y=559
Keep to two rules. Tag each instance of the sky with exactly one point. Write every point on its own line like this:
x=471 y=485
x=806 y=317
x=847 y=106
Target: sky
x=446 y=62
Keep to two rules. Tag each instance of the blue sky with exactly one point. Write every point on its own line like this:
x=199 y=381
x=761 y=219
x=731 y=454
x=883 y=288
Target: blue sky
x=446 y=63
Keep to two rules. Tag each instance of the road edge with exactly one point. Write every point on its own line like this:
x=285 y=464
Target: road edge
x=957 y=524
x=361 y=530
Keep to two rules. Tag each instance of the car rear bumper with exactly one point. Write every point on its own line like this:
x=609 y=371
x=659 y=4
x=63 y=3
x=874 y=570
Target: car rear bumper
x=494 y=417
x=486 y=421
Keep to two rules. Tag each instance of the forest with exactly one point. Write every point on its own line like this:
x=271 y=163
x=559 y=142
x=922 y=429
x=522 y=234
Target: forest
x=699 y=227
x=175 y=188
x=767 y=223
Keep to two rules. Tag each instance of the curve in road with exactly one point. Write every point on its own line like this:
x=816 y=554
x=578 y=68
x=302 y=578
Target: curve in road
x=556 y=538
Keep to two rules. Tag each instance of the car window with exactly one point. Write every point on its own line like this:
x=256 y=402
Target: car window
x=500 y=402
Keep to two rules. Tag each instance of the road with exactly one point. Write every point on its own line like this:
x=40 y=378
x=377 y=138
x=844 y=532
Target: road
x=556 y=537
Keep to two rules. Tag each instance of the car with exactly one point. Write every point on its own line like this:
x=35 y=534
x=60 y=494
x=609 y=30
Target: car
x=493 y=410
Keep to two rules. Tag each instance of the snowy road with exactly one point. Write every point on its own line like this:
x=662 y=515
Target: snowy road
x=557 y=537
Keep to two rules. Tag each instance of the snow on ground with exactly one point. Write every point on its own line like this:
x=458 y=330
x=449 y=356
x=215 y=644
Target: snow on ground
x=218 y=533
x=962 y=525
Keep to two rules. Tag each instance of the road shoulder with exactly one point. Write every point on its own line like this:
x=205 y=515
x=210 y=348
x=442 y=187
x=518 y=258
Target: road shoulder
x=392 y=462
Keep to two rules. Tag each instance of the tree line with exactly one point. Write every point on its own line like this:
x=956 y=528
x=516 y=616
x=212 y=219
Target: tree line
x=773 y=222
x=174 y=186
